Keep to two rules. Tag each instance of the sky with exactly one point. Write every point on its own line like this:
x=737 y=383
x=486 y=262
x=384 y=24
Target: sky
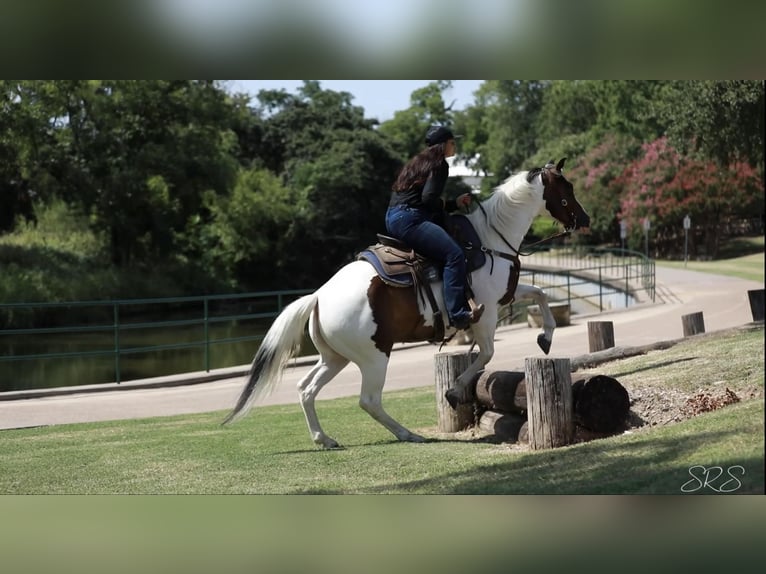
x=379 y=98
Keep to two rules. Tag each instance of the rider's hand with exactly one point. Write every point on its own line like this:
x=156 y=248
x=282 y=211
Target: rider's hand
x=464 y=200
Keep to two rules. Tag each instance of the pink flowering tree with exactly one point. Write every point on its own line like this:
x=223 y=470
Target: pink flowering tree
x=598 y=188
x=665 y=186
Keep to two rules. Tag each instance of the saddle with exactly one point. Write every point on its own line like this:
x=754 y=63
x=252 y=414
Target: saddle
x=398 y=265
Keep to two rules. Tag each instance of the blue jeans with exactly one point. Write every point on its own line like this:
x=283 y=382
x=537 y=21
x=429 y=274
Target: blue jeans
x=415 y=228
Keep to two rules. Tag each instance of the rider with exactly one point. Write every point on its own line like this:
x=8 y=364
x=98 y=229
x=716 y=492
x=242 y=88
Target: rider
x=416 y=215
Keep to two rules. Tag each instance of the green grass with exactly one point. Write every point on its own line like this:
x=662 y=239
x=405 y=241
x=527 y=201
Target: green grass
x=269 y=452
x=741 y=257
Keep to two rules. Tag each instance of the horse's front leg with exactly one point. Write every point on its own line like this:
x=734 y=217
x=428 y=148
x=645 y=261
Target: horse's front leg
x=545 y=338
x=484 y=334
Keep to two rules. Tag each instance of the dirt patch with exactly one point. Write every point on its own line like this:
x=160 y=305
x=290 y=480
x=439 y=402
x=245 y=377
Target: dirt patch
x=651 y=407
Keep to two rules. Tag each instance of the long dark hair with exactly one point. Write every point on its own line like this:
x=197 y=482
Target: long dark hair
x=417 y=170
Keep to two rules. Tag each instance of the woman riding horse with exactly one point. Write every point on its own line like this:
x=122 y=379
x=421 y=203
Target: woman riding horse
x=417 y=213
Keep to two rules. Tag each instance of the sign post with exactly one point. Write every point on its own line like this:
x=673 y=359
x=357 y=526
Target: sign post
x=623 y=234
x=687 y=226
x=647 y=227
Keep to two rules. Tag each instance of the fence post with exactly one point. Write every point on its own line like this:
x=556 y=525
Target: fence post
x=600 y=335
x=447 y=368
x=693 y=324
x=550 y=413
x=600 y=291
x=756 y=297
x=116 y=307
x=205 y=313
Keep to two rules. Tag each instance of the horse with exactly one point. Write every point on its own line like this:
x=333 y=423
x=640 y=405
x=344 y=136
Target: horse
x=357 y=317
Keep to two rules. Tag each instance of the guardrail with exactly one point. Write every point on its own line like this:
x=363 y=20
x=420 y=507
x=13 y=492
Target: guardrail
x=616 y=272
x=122 y=320
x=563 y=273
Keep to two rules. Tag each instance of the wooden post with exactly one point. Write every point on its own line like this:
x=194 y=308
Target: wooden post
x=549 y=402
x=693 y=324
x=600 y=335
x=447 y=368
x=756 y=303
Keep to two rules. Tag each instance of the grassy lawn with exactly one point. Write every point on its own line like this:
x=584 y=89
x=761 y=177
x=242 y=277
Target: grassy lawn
x=742 y=257
x=269 y=452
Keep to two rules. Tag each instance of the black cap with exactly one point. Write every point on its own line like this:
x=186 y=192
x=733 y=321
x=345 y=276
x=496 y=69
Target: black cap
x=438 y=134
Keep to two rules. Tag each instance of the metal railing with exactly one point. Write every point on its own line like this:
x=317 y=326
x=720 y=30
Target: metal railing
x=121 y=315
x=616 y=272
x=572 y=275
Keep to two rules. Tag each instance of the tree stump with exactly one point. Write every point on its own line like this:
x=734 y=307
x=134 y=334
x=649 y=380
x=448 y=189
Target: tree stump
x=600 y=404
x=502 y=391
x=549 y=402
x=505 y=426
x=693 y=324
x=600 y=335
x=447 y=368
x=756 y=303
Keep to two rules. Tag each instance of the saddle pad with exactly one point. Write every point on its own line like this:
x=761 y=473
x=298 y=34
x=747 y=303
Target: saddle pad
x=400 y=279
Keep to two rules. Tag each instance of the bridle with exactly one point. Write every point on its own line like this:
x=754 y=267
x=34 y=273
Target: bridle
x=549 y=170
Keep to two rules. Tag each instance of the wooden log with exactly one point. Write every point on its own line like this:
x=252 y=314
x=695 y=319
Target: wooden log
x=447 y=368
x=524 y=433
x=756 y=297
x=600 y=404
x=608 y=355
x=693 y=324
x=502 y=391
x=600 y=335
x=505 y=426
x=549 y=402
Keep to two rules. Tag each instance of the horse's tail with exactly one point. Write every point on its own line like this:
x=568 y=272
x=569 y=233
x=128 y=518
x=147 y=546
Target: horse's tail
x=281 y=341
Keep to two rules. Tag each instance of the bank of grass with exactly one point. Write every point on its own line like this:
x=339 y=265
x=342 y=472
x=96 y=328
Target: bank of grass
x=741 y=257
x=269 y=452
x=62 y=259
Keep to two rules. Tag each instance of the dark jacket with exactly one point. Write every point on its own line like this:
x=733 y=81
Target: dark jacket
x=428 y=195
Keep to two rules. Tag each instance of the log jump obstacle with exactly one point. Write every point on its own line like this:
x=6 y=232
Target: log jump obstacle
x=558 y=410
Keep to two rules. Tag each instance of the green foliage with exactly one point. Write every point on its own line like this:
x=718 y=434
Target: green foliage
x=719 y=119
x=665 y=186
x=505 y=125
x=216 y=189
x=250 y=230
x=407 y=129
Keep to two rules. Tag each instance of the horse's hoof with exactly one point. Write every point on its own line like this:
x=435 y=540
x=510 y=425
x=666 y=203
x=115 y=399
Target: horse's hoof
x=452 y=399
x=328 y=444
x=415 y=438
x=543 y=343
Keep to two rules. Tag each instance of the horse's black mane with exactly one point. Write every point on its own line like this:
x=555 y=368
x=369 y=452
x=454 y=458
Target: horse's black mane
x=533 y=172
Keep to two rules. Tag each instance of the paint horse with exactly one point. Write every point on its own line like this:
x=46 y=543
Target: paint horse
x=357 y=317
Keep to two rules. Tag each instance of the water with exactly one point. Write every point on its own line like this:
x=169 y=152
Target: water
x=88 y=370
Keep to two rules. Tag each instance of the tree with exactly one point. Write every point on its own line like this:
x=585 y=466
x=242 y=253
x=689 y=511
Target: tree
x=139 y=155
x=665 y=186
x=718 y=119
x=407 y=128
x=505 y=125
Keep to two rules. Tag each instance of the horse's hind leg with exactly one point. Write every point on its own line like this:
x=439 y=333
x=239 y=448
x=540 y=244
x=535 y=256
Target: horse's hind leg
x=330 y=364
x=309 y=386
x=371 y=398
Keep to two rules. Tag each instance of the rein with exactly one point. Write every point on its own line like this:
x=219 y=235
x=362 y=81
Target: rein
x=518 y=252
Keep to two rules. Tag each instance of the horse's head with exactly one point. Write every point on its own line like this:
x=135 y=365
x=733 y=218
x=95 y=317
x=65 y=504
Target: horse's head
x=560 y=200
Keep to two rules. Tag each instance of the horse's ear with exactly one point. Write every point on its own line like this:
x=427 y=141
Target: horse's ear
x=560 y=165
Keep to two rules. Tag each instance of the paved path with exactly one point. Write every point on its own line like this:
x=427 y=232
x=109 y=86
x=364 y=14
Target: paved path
x=723 y=300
